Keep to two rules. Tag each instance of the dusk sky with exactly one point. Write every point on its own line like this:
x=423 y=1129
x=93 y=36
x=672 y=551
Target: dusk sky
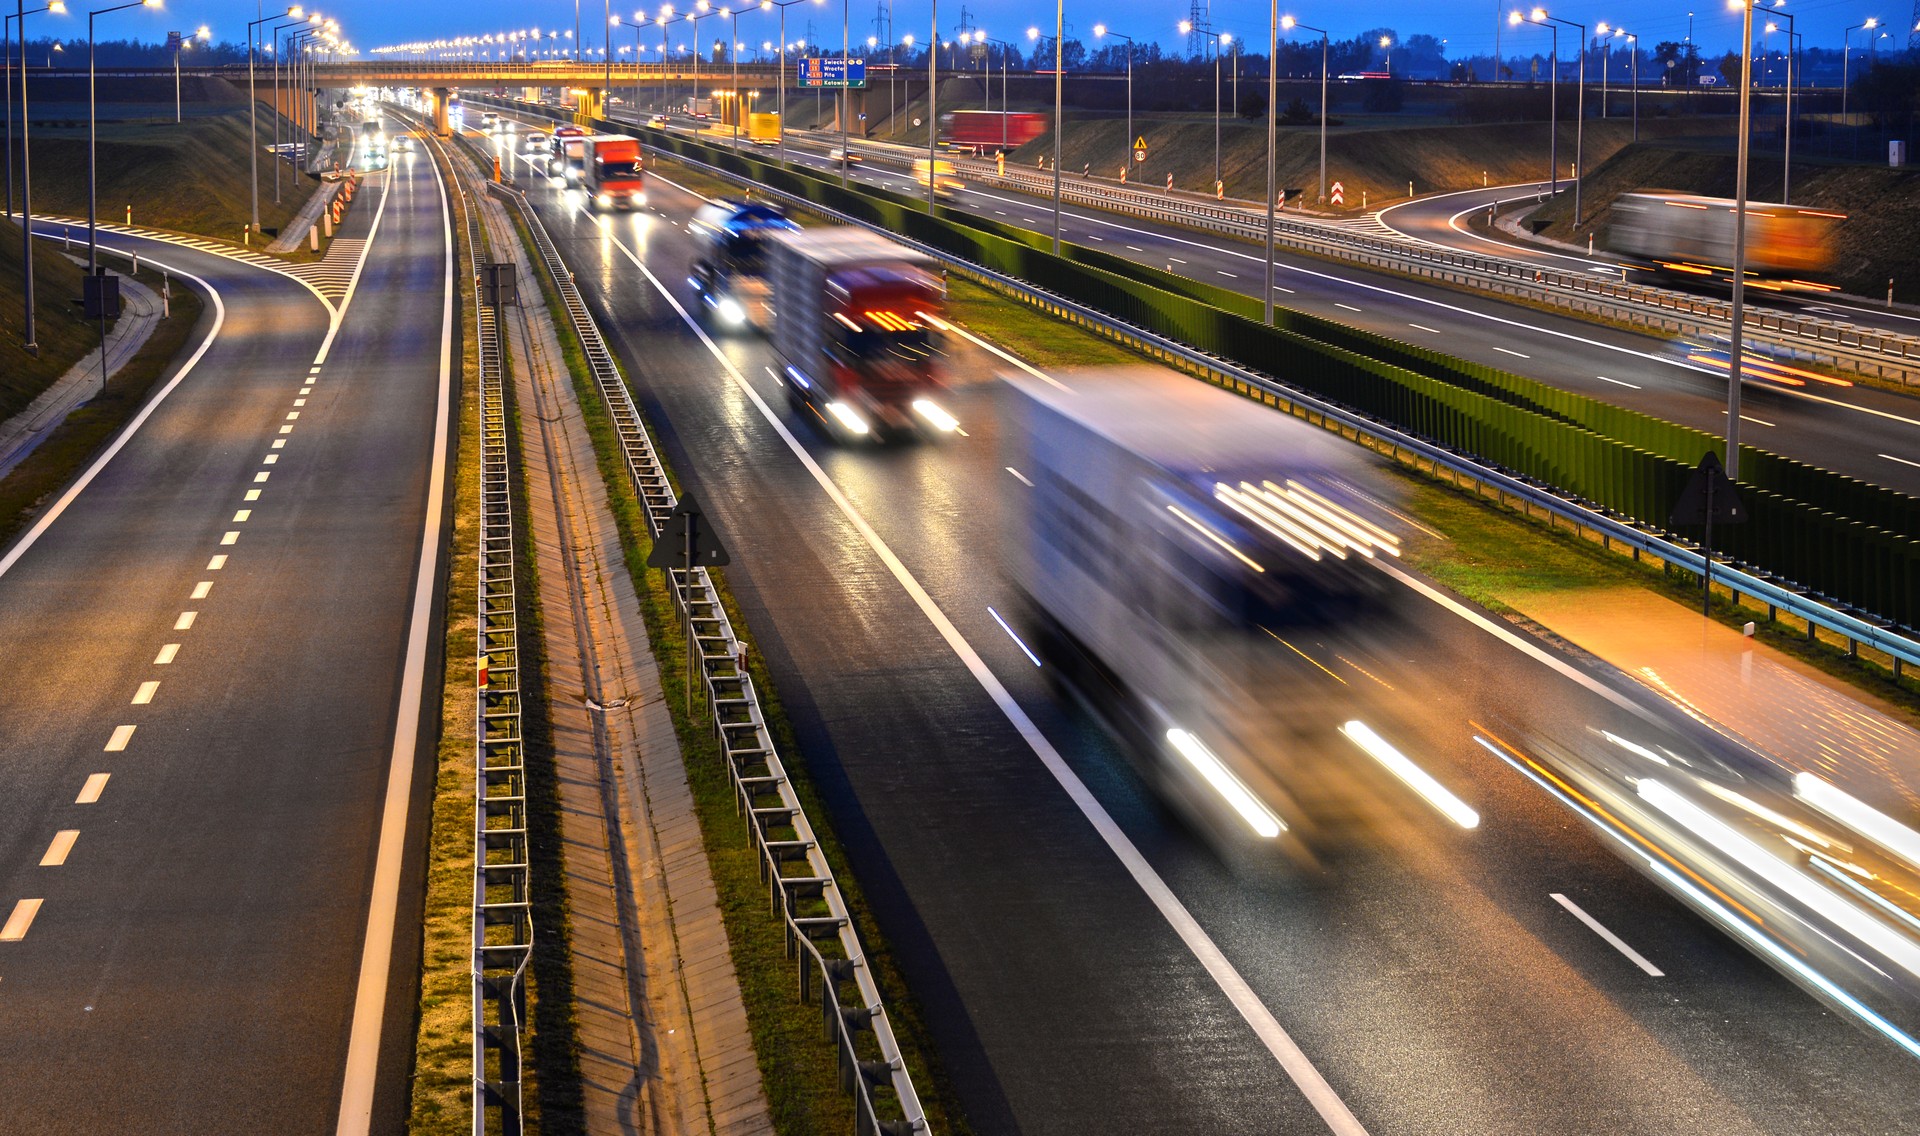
x=1468 y=28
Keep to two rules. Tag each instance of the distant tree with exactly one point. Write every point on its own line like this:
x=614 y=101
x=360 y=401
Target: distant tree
x=1730 y=70
x=1298 y=113
x=1253 y=103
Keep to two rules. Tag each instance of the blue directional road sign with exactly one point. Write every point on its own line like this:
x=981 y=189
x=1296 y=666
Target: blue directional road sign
x=821 y=71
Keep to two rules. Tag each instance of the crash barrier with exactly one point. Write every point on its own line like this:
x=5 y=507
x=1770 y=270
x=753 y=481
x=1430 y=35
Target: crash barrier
x=1841 y=572
x=802 y=889
x=502 y=942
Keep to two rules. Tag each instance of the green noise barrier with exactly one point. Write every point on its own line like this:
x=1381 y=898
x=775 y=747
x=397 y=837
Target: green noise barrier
x=1845 y=540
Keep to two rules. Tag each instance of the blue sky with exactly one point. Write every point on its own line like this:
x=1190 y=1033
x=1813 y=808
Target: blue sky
x=1468 y=27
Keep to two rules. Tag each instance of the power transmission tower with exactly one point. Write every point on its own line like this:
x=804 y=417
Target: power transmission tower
x=1198 y=19
x=1913 y=37
x=883 y=22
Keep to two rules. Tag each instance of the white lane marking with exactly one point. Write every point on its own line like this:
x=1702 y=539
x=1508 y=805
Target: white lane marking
x=144 y=695
x=1136 y=248
x=217 y=563
x=118 y=742
x=376 y=956
x=56 y=853
x=230 y=538
x=279 y=444
x=270 y=459
x=1612 y=939
x=21 y=919
x=1226 y=274
x=201 y=589
x=1021 y=476
x=1743 y=417
x=1617 y=382
x=90 y=792
x=166 y=654
x=1349 y=307
x=252 y=495
x=286 y=429
x=1902 y=461
x=1288 y=291
x=1229 y=980
x=1177 y=260
x=1423 y=327
x=52 y=514
x=1091 y=237
x=292 y=414
x=185 y=622
x=1502 y=349
x=306 y=390
x=1017 y=641
x=240 y=517
x=299 y=402
x=262 y=476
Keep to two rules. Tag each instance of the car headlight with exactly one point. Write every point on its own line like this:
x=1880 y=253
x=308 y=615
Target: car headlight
x=731 y=311
x=936 y=417
x=603 y=199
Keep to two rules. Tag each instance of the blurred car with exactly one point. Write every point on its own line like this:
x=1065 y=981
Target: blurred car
x=488 y=119
x=837 y=154
x=403 y=144
x=536 y=142
x=658 y=120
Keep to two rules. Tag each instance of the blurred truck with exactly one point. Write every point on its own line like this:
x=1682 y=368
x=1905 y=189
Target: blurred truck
x=608 y=167
x=946 y=181
x=763 y=129
x=1693 y=236
x=1188 y=556
x=984 y=130
x=730 y=270
x=855 y=319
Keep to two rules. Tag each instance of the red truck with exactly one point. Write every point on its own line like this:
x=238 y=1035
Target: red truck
x=856 y=320
x=984 y=130
x=608 y=167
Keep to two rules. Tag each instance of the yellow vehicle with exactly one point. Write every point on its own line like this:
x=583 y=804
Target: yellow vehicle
x=945 y=180
x=763 y=129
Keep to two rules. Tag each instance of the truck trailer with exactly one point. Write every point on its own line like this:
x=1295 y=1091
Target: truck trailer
x=856 y=325
x=1187 y=556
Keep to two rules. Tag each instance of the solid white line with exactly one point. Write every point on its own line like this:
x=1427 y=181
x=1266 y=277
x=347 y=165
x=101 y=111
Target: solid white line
x=118 y=742
x=1612 y=939
x=1891 y=458
x=1513 y=353
x=1349 y=307
x=1017 y=641
x=90 y=792
x=1423 y=327
x=56 y=853
x=376 y=955
x=144 y=695
x=21 y=919
x=126 y=434
x=1021 y=476
x=1617 y=382
x=1267 y=1028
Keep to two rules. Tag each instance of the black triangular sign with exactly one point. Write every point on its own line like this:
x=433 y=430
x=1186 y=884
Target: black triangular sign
x=1709 y=482
x=670 y=547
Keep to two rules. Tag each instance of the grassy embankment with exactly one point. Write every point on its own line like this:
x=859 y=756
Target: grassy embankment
x=65 y=338
x=1875 y=245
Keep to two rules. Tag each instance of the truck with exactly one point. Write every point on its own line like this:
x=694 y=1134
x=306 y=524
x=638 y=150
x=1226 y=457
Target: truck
x=1186 y=556
x=985 y=130
x=946 y=180
x=729 y=272
x=612 y=171
x=1692 y=236
x=699 y=108
x=763 y=129
x=855 y=328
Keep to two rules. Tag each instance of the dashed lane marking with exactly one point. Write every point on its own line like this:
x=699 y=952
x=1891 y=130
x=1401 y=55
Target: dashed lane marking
x=166 y=654
x=185 y=622
x=90 y=792
x=118 y=742
x=17 y=923
x=1612 y=939
x=217 y=563
x=201 y=589
x=230 y=538
x=147 y=690
x=240 y=517
x=56 y=854
x=1423 y=327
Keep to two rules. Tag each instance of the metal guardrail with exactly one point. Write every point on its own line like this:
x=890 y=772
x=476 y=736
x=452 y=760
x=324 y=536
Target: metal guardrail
x=1779 y=595
x=801 y=884
x=502 y=944
x=1864 y=351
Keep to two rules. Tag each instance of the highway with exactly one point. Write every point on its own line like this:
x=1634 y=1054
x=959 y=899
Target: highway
x=1870 y=434
x=1442 y=219
x=216 y=648
x=1084 y=960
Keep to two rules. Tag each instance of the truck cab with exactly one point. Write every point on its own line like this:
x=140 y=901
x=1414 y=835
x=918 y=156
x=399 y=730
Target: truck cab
x=730 y=272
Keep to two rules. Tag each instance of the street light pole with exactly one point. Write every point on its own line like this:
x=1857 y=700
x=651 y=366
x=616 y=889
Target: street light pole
x=1736 y=347
x=1187 y=27
x=1786 y=161
x=1098 y=31
x=1289 y=23
x=1635 y=41
x=1553 y=97
x=1059 y=122
x=29 y=342
x=1845 y=49
x=1580 y=103
x=1273 y=137
x=93 y=235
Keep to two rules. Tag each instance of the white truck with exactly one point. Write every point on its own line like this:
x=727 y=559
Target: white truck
x=856 y=324
x=1187 y=556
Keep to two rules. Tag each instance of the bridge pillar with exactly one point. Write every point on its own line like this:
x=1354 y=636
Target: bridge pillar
x=589 y=103
x=437 y=110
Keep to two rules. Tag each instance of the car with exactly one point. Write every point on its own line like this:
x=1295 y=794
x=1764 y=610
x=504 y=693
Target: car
x=488 y=119
x=837 y=154
x=658 y=120
x=536 y=142
x=403 y=144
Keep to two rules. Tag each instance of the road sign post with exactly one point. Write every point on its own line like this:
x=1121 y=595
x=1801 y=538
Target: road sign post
x=1709 y=497
x=824 y=71
x=687 y=541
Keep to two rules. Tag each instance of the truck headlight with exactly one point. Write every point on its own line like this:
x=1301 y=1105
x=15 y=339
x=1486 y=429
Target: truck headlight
x=603 y=199
x=937 y=418
x=731 y=311
x=848 y=417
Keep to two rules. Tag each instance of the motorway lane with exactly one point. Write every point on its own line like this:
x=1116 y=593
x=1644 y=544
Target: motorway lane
x=193 y=965
x=1427 y=971
x=1863 y=432
x=1440 y=219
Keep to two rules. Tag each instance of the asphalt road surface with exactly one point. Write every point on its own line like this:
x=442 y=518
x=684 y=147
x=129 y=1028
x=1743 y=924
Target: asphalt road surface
x=1870 y=434
x=1084 y=960
x=212 y=657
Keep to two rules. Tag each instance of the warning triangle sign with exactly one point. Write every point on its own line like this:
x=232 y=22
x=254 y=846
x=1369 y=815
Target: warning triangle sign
x=1140 y=143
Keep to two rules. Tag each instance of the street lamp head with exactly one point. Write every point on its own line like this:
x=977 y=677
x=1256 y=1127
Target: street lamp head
x=1513 y=19
x=613 y=21
x=1539 y=15
x=1873 y=21
x=57 y=7
x=1226 y=38
x=1600 y=28
x=1186 y=27
x=1033 y=33
x=1099 y=30
x=1287 y=23
x=1386 y=41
